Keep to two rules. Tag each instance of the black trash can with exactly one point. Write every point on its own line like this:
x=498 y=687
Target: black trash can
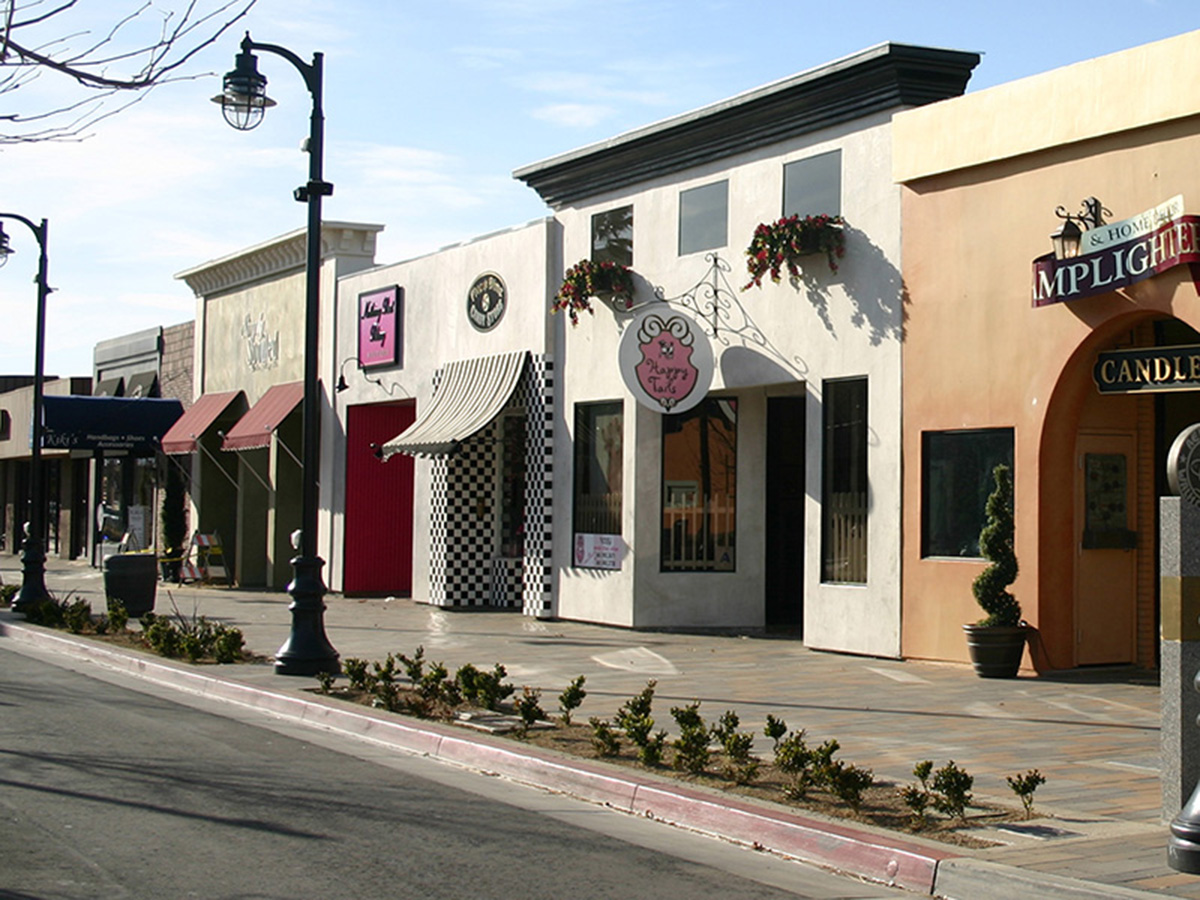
x=132 y=578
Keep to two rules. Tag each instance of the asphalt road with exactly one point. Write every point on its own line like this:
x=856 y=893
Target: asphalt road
x=114 y=788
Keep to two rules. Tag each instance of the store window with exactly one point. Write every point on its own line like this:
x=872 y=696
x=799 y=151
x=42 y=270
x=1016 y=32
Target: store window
x=612 y=236
x=844 y=497
x=699 y=498
x=704 y=218
x=813 y=186
x=599 y=461
x=956 y=479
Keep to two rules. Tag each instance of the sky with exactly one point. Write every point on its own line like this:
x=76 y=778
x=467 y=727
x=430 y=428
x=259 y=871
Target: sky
x=429 y=108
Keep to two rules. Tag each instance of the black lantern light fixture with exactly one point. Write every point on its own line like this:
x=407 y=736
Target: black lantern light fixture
x=1068 y=237
x=33 y=552
x=244 y=101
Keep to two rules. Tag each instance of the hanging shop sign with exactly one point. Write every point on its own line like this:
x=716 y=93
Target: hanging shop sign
x=1120 y=254
x=1152 y=369
x=486 y=301
x=666 y=360
x=379 y=320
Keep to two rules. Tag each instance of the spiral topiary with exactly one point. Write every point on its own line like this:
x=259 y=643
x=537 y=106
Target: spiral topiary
x=996 y=545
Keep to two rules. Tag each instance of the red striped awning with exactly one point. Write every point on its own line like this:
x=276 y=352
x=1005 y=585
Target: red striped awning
x=195 y=421
x=255 y=428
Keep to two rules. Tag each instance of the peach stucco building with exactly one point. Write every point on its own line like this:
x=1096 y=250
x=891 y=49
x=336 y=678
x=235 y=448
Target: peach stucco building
x=989 y=376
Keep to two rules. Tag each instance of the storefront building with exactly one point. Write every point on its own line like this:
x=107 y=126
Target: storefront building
x=65 y=479
x=241 y=438
x=441 y=444
x=1077 y=371
x=770 y=496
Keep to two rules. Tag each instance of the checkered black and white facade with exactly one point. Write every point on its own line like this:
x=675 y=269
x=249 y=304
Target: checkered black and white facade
x=466 y=568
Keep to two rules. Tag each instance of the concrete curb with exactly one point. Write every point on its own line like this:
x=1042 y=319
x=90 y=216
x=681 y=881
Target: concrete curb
x=867 y=854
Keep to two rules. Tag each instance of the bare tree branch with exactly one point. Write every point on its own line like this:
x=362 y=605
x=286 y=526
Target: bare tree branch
x=43 y=38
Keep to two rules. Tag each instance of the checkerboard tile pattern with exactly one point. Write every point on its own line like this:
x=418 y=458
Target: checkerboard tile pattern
x=464 y=565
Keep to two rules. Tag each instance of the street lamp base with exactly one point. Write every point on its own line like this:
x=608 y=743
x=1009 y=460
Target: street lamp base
x=307 y=650
x=33 y=578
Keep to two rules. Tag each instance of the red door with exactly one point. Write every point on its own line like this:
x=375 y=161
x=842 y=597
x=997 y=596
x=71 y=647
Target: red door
x=379 y=503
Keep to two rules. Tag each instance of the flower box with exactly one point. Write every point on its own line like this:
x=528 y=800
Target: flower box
x=779 y=246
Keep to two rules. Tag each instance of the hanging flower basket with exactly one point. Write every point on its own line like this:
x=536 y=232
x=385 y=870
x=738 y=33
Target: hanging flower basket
x=779 y=246
x=609 y=281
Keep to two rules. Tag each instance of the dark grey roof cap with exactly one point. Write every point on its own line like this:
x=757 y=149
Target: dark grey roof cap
x=883 y=77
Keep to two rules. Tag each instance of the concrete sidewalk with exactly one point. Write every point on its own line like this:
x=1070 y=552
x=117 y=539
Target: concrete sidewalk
x=1094 y=735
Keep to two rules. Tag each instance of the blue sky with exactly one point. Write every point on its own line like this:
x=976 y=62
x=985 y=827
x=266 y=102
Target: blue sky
x=429 y=107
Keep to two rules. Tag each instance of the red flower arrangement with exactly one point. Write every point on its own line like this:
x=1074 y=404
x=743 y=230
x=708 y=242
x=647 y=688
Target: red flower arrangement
x=781 y=244
x=587 y=279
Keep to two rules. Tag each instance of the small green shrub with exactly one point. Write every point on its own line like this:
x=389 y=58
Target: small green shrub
x=571 y=698
x=848 y=782
x=604 y=737
x=917 y=797
x=486 y=689
x=118 y=616
x=952 y=790
x=325 y=682
x=358 y=673
x=1024 y=786
x=529 y=708
x=691 y=747
x=635 y=720
x=775 y=729
x=7 y=592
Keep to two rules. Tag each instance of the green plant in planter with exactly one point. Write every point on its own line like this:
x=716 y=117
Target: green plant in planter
x=780 y=245
x=996 y=546
x=587 y=279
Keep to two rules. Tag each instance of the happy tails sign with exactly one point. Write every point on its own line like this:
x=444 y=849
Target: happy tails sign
x=1120 y=254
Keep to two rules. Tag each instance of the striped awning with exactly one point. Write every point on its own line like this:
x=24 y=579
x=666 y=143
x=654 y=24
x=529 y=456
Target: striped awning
x=254 y=429
x=470 y=394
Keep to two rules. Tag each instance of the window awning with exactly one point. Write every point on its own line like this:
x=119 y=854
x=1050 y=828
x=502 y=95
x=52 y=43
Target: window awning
x=143 y=384
x=196 y=420
x=109 y=387
x=255 y=428
x=471 y=393
x=130 y=424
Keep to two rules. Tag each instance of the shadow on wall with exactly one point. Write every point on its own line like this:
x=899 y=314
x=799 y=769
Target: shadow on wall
x=871 y=282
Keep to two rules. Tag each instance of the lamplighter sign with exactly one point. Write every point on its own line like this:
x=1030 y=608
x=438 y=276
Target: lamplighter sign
x=666 y=360
x=1120 y=254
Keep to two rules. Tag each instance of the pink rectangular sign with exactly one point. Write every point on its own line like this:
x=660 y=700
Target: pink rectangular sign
x=379 y=327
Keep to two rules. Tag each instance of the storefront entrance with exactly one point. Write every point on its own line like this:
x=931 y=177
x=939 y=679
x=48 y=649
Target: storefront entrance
x=785 y=515
x=1106 y=533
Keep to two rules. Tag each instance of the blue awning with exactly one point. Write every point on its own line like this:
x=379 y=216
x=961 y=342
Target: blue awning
x=133 y=425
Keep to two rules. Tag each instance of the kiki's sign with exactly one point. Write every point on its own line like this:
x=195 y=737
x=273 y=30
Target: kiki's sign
x=1120 y=254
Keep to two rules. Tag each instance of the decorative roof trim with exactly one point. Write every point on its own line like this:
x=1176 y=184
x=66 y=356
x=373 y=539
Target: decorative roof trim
x=880 y=78
x=279 y=256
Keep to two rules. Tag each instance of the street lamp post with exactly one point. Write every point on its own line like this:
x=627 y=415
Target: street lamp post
x=244 y=100
x=33 y=551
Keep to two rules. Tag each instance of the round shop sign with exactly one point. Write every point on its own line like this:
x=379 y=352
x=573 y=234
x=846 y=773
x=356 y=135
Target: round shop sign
x=486 y=301
x=666 y=359
x=1183 y=464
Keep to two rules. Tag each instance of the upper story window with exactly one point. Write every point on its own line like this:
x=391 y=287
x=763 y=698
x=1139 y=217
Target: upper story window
x=813 y=186
x=612 y=236
x=704 y=218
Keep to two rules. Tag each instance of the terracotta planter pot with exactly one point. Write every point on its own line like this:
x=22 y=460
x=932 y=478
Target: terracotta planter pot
x=995 y=650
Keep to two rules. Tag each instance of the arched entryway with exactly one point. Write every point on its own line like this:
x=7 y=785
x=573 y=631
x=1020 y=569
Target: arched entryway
x=1101 y=470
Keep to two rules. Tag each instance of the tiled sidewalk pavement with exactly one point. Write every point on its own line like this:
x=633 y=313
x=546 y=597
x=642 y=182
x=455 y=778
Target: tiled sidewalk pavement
x=1093 y=734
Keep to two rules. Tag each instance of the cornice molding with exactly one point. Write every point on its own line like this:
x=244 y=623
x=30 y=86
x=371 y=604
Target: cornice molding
x=284 y=255
x=885 y=77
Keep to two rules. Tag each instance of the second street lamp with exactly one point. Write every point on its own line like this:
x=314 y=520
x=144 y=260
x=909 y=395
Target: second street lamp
x=33 y=550
x=243 y=101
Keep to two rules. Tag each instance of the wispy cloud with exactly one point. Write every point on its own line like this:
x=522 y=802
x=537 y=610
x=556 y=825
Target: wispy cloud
x=573 y=115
